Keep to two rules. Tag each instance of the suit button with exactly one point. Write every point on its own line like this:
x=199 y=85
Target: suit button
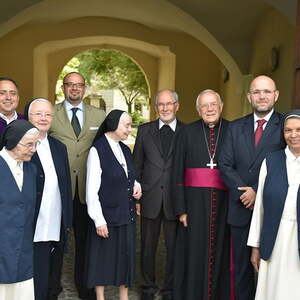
x=128 y=189
x=250 y=171
x=162 y=187
x=41 y=175
x=74 y=171
x=77 y=155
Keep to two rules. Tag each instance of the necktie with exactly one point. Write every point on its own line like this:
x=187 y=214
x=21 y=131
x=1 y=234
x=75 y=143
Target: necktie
x=259 y=131
x=166 y=135
x=75 y=122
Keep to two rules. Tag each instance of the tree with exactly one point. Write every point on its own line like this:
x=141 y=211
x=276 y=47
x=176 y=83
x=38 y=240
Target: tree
x=114 y=70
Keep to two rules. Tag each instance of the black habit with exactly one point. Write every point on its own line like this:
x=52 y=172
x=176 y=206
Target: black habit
x=202 y=248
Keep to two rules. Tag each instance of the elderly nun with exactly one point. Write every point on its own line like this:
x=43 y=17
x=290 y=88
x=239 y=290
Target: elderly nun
x=111 y=199
x=275 y=227
x=17 y=200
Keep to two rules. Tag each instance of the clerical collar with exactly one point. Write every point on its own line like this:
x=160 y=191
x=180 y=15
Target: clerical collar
x=212 y=125
x=172 y=124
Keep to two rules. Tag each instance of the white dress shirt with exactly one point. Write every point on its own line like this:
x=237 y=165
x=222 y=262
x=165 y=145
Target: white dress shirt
x=79 y=113
x=15 y=117
x=49 y=218
x=172 y=124
x=93 y=180
x=266 y=118
x=15 y=167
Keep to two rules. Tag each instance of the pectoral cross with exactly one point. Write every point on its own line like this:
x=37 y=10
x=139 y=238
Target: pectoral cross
x=211 y=164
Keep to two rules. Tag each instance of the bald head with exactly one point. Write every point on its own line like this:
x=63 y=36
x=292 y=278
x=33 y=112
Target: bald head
x=262 y=95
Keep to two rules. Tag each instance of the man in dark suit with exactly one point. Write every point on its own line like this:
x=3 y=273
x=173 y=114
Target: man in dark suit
x=53 y=213
x=153 y=154
x=248 y=141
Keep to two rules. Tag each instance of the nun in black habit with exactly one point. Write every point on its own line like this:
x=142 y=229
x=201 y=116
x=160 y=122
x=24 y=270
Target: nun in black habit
x=111 y=194
x=17 y=202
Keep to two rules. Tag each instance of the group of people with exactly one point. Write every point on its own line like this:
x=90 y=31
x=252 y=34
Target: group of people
x=224 y=193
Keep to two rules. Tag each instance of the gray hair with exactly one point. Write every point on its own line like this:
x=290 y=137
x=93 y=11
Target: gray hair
x=174 y=95
x=208 y=91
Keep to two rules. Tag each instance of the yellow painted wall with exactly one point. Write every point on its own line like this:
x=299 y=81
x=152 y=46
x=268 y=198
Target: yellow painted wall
x=197 y=68
x=275 y=31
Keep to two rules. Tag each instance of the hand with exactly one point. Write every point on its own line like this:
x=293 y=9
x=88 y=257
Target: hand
x=102 y=231
x=137 y=192
x=183 y=219
x=248 y=197
x=138 y=209
x=255 y=258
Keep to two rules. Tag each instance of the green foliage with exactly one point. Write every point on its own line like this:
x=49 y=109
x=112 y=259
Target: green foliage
x=110 y=69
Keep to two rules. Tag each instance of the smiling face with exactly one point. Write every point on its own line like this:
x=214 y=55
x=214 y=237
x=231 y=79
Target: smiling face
x=262 y=95
x=9 y=98
x=291 y=133
x=124 y=128
x=41 y=115
x=209 y=107
x=74 y=88
x=166 y=107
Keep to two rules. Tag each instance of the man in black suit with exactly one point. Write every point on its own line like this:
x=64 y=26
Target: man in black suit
x=53 y=212
x=153 y=153
x=248 y=141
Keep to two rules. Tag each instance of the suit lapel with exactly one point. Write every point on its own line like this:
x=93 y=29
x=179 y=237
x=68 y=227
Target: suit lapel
x=62 y=117
x=156 y=136
x=271 y=127
x=248 y=134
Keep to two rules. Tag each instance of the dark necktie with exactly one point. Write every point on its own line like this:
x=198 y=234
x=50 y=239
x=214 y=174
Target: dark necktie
x=259 y=131
x=75 y=122
x=166 y=135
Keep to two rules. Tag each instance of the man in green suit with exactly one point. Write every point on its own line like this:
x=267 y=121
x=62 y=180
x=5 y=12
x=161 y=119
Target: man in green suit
x=75 y=124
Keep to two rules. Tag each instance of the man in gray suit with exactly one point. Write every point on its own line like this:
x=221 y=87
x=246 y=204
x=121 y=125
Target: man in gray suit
x=153 y=153
x=75 y=124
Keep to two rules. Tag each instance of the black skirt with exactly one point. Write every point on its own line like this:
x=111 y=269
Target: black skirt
x=111 y=261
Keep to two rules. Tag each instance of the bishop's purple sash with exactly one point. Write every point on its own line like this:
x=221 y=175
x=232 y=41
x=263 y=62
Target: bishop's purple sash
x=204 y=177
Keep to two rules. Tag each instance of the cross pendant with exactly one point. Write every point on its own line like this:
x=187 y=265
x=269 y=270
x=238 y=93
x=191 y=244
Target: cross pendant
x=211 y=164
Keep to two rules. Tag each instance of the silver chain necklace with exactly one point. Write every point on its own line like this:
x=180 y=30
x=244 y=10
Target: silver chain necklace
x=211 y=164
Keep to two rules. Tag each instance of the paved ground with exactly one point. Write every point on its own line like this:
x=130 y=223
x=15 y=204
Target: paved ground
x=69 y=292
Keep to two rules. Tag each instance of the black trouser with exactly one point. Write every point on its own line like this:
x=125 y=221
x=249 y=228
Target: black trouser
x=48 y=260
x=80 y=225
x=150 y=232
x=243 y=269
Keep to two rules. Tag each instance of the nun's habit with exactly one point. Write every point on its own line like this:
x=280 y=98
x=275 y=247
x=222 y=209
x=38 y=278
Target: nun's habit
x=110 y=181
x=275 y=225
x=17 y=202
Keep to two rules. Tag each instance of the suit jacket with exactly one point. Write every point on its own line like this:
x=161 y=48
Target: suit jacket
x=61 y=164
x=153 y=171
x=240 y=160
x=78 y=147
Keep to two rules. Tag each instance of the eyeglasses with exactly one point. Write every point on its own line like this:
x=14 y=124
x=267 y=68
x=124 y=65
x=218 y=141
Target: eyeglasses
x=78 y=85
x=256 y=93
x=209 y=105
x=40 y=115
x=168 y=105
x=30 y=145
